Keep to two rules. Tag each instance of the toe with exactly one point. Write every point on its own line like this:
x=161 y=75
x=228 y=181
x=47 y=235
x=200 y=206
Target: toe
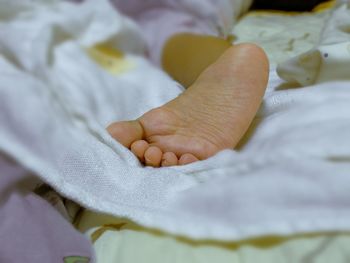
x=169 y=159
x=126 y=132
x=139 y=148
x=187 y=158
x=153 y=156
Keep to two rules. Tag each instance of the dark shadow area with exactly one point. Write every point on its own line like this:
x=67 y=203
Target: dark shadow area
x=288 y=85
x=287 y=5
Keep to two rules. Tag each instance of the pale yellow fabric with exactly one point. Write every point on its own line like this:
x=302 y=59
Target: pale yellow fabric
x=283 y=34
x=111 y=59
x=118 y=240
x=329 y=60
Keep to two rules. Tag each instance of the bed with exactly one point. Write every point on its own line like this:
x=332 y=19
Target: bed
x=282 y=197
x=283 y=35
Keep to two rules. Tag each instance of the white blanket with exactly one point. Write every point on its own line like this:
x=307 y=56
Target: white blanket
x=291 y=175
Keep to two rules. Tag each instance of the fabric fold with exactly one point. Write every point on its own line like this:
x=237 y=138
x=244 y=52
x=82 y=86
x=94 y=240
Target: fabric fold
x=290 y=175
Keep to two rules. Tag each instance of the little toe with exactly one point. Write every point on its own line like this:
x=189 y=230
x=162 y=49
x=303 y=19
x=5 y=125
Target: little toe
x=153 y=156
x=139 y=148
x=187 y=158
x=169 y=159
x=126 y=132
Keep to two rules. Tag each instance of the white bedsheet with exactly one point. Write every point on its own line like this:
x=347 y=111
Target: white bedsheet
x=327 y=61
x=281 y=34
x=291 y=174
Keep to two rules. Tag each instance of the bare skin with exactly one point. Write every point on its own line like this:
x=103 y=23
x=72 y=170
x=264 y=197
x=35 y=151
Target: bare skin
x=211 y=115
x=185 y=56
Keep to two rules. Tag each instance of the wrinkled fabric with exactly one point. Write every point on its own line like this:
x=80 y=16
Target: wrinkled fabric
x=31 y=230
x=161 y=19
x=329 y=59
x=291 y=174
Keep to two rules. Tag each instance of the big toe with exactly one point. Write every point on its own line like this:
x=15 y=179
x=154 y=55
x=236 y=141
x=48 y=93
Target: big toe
x=126 y=132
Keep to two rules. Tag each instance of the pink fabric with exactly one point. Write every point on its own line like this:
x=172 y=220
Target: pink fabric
x=160 y=19
x=31 y=230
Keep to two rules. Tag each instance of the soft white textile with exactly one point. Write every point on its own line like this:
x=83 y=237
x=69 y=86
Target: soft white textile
x=282 y=35
x=291 y=175
x=330 y=59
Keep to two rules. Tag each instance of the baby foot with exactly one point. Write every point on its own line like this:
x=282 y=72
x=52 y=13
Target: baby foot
x=211 y=115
